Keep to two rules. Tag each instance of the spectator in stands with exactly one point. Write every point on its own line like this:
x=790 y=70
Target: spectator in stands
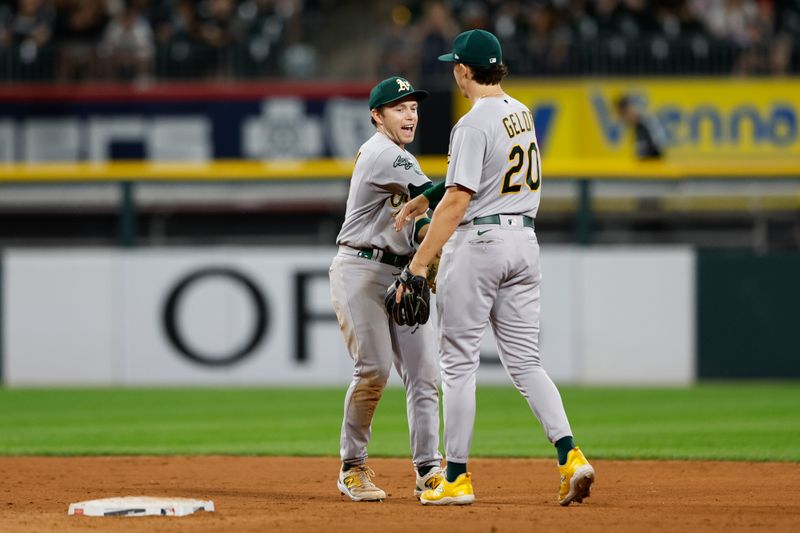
x=474 y=16
x=27 y=32
x=505 y=23
x=787 y=35
x=219 y=28
x=581 y=19
x=436 y=32
x=635 y=19
x=759 y=34
x=549 y=40
x=127 y=47
x=5 y=23
x=298 y=59
x=649 y=135
x=263 y=31
x=780 y=56
x=508 y=23
x=607 y=15
x=32 y=23
x=397 y=47
x=254 y=38
x=79 y=26
x=730 y=19
x=675 y=21
x=177 y=23
x=676 y=36
x=177 y=35
x=768 y=46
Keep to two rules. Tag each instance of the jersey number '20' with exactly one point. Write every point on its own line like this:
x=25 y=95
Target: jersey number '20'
x=517 y=157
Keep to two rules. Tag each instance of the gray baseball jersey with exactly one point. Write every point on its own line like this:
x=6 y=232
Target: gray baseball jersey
x=380 y=184
x=490 y=270
x=494 y=154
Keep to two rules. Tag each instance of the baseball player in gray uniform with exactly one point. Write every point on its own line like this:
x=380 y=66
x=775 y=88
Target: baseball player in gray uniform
x=489 y=271
x=371 y=253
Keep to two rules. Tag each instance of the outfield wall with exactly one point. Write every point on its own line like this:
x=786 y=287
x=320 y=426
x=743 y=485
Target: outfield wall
x=246 y=316
x=702 y=118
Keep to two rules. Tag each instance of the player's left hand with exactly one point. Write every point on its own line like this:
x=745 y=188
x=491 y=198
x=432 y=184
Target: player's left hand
x=416 y=270
x=408 y=299
x=410 y=211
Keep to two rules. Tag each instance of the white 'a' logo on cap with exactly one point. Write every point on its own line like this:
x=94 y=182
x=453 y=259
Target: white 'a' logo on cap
x=402 y=85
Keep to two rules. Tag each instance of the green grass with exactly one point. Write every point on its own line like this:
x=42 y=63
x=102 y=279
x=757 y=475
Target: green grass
x=711 y=421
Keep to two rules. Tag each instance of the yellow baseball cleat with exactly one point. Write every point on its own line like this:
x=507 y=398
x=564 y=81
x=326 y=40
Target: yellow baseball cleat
x=459 y=492
x=357 y=485
x=577 y=476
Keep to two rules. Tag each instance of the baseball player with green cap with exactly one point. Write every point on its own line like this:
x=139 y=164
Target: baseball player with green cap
x=371 y=253
x=489 y=271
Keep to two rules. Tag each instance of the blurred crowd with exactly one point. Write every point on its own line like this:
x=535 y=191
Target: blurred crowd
x=70 y=40
x=587 y=37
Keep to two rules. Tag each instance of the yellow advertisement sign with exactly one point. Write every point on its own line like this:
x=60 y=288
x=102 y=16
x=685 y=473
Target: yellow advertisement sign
x=701 y=118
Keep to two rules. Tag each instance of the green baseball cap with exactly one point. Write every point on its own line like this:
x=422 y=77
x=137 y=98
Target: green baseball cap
x=476 y=48
x=392 y=89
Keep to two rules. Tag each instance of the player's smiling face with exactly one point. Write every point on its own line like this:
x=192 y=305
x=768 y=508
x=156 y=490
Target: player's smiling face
x=398 y=120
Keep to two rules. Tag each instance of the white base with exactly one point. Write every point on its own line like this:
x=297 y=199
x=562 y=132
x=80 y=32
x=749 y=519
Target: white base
x=140 y=506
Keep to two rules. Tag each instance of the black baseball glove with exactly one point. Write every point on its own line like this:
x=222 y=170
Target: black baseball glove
x=414 y=307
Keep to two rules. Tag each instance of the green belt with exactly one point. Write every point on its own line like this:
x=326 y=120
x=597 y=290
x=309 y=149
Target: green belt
x=387 y=258
x=495 y=219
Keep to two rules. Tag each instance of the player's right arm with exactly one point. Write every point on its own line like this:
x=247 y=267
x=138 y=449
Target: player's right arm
x=446 y=218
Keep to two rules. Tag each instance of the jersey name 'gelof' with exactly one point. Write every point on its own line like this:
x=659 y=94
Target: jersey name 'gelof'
x=515 y=125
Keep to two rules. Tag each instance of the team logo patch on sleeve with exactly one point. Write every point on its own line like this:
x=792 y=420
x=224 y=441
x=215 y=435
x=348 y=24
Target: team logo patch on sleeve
x=403 y=162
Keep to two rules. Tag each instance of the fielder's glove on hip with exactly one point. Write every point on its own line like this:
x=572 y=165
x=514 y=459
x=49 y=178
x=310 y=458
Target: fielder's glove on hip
x=414 y=307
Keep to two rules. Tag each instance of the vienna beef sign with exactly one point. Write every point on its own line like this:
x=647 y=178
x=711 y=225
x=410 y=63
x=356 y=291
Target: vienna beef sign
x=701 y=118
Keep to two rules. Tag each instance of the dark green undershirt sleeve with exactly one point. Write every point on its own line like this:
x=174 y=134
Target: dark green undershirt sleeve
x=415 y=191
x=434 y=194
x=418 y=225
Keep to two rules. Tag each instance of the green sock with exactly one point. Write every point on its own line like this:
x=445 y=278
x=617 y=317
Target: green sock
x=454 y=470
x=348 y=466
x=563 y=446
x=423 y=470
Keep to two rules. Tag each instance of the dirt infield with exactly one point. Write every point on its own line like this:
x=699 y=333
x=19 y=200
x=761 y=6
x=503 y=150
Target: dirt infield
x=299 y=495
